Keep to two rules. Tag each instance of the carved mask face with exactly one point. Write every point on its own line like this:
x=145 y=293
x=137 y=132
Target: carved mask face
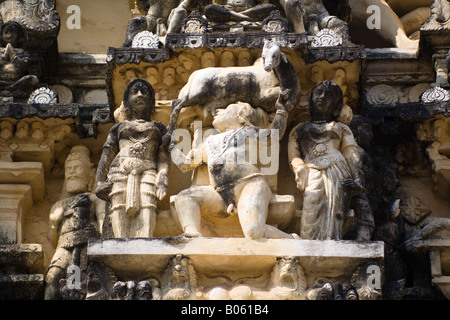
x=77 y=176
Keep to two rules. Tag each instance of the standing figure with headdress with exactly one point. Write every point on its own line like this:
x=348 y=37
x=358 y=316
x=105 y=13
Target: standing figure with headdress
x=132 y=171
x=74 y=219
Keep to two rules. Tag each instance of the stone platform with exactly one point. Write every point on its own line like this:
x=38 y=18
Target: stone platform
x=238 y=260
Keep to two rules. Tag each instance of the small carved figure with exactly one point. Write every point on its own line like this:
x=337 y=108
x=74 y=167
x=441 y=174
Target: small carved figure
x=288 y=281
x=236 y=184
x=238 y=10
x=179 y=280
x=75 y=219
x=132 y=171
x=317 y=18
x=326 y=161
x=14 y=60
x=159 y=14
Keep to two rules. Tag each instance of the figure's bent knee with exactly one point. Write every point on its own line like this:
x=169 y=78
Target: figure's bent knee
x=253 y=231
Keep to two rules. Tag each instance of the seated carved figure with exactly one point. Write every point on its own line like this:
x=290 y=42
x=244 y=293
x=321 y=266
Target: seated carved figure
x=326 y=161
x=162 y=17
x=316 y=17
x=14 y=60
x=235 y=182
x=238 y=10
x=132 y=171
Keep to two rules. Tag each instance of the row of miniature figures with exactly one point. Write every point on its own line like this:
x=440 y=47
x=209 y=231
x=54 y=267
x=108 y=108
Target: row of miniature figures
x=302 y=16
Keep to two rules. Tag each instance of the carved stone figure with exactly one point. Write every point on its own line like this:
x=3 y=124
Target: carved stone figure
x=14 y=60
x=326 y=161
x=238 y=10
x=236 y=184
x=288 y=281
x=74 y=220
x=214 y=88
x=179 y=280
x=440 y=15
x=317 y=18
x=392 y=29
x=155 y=20
x=132 y=171
x=38 y=18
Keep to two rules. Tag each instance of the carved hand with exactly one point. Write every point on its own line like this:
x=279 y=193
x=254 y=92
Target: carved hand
x=161 y=185
x=301 y=177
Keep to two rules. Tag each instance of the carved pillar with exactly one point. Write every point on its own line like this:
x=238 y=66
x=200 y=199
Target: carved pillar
x=15 y=200
x=21 y=184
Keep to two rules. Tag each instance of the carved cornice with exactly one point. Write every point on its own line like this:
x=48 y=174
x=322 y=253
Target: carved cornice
x=248 y=40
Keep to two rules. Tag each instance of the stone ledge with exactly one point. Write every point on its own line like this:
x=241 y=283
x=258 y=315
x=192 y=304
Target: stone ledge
x=22 y=258
x=142 y=257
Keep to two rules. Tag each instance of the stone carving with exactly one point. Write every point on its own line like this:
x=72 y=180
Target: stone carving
x=214 y=88
x=222 y=11
x=328 y=171
x=236 y=186
x=440 y=15
x=195 y=23
x=146 y=40
x=436 y=133
x=288 y=281
x=435 y=94
x=15 y=62
x=132 y=171
x=179 y=281
x=382 y=94
x=157 y=16
x=326 y=38
x=43 y=95
x=294 y=13
x=393 y=30
x=330 y=290
x=275 y=23
x=317 y=18
x=74 y=219
x=38 y=17
x=130 y=290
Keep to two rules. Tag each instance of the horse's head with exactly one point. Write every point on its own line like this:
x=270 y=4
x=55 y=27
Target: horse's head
x=272 y=56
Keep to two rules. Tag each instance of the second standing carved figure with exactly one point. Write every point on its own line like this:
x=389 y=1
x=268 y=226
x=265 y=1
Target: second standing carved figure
x=132 y=172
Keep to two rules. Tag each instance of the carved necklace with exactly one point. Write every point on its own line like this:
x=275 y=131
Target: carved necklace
x=318 y=133
x=138 y=148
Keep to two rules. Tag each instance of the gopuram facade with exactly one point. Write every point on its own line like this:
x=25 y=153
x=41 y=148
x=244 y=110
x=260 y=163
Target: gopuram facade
x=224 y=150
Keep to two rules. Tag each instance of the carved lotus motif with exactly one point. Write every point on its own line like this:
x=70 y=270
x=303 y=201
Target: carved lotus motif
x=146 y=40
x=326 y=38
x=43 y=96
x=435 y=94
x=382 y=94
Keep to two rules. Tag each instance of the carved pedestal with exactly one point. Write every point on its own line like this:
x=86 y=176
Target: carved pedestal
x=238 y=268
